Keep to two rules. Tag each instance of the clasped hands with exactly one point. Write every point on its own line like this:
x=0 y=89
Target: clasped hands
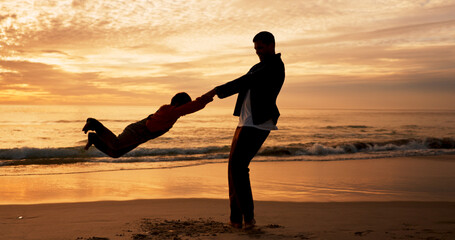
x=210 y=94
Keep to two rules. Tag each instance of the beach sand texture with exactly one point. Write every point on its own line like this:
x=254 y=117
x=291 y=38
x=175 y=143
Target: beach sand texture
x=340 y=215
x=206 y=219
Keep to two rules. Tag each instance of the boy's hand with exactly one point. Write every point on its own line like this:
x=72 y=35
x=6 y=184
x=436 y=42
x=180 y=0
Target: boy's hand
x=210 y=94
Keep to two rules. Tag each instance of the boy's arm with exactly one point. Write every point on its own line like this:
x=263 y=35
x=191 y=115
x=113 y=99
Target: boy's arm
x=195 y=105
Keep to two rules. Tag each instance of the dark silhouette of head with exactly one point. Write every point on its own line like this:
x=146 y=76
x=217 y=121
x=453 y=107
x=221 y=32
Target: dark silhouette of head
x=264 y=37
x=264 y=43
x=180 y=98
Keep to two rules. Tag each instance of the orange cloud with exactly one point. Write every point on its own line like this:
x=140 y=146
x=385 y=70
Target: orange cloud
x=143 y=51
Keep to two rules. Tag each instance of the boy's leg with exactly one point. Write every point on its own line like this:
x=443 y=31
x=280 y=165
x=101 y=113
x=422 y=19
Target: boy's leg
x=131 y=137
x=104 y=134
x=94 y=139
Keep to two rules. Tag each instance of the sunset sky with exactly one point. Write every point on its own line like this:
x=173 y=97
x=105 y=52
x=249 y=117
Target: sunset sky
x=338 y=54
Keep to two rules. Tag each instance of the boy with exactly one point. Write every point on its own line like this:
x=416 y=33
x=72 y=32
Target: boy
x=140 y=132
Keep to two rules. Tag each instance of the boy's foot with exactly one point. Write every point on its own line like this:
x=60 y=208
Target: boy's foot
x=250 y=224
x=89 y=125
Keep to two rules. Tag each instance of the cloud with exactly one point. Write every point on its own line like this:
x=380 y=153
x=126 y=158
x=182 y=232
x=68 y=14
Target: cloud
x=22 y=77
x=397 y=34
x=6 y=16
x=132 y=50
x=407 y=50
x=45 y=77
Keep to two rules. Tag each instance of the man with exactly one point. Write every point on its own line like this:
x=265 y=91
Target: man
x=148 y=128
x=258 y=114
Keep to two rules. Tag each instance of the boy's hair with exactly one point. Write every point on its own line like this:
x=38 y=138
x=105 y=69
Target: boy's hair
x=180 y=98
x=264 y=37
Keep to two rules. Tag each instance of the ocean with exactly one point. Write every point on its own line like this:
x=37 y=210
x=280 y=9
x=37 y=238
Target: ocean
x=37 y=140
x=317 y=155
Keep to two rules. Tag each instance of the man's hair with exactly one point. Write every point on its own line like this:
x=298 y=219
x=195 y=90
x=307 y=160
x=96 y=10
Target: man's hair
x=264 y=37
x=180 y=98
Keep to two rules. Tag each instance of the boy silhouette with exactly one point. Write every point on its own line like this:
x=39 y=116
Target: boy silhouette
x=148 y=128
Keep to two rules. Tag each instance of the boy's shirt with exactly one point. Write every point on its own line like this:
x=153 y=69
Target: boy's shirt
x=165 y=117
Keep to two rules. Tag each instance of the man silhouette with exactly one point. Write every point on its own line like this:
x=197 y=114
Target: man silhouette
x=258 y=114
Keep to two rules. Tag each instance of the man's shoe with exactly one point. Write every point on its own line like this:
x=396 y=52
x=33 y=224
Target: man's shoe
x=250 y=224
x=235 y=225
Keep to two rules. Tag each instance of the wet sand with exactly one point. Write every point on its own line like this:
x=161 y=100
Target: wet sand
x=390 y=179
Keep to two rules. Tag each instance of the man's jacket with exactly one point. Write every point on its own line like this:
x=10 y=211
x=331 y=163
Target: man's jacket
x=264 y=80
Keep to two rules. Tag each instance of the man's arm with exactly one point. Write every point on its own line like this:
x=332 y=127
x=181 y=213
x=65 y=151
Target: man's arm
x=245 y=81
x=231 y=88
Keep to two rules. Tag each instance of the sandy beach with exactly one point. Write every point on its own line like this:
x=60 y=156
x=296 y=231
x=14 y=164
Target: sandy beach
x=206 y=219
x=395 y=198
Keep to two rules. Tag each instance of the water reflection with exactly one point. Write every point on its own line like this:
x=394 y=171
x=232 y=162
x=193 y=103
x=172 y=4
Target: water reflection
x=404 y=179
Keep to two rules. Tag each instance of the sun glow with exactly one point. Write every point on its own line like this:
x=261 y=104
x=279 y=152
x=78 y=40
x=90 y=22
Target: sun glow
x=123 y=50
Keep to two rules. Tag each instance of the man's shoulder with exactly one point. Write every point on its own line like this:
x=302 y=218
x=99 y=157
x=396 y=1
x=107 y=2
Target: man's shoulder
x=256 y=66
x=278 y=59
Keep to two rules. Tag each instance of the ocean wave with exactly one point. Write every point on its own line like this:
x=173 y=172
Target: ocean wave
x=71 y=155
x=47 y=156
x=354 y=147
x=347 y=127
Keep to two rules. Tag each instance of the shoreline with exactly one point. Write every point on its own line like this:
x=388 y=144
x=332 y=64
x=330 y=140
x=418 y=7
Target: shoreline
x=207 y=219
x=426 y=179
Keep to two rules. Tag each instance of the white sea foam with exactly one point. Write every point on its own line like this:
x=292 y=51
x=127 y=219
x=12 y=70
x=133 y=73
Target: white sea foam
x=70 y=155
